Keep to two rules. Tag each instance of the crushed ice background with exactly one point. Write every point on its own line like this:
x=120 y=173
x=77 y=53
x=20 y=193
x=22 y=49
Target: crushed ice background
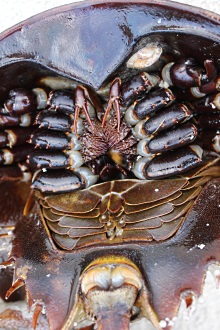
x=204 y=313
x=15 y=11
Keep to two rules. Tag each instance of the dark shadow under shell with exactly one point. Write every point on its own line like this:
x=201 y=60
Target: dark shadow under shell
x=95 y=40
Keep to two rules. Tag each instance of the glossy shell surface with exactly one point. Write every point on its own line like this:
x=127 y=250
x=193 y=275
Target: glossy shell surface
x=96 y=41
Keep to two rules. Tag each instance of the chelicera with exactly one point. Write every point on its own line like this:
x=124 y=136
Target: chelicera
x=108 y=180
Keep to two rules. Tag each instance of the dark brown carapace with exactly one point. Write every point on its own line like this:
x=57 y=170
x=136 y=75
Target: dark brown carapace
x=109 y=163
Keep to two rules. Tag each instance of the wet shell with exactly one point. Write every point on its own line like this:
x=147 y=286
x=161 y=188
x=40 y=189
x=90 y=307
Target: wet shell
x=109 y=162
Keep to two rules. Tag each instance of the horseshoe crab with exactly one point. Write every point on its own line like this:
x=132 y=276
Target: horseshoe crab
x=109 y=161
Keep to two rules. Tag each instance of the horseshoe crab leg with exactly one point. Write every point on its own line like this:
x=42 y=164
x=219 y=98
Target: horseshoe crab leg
x=114 y=96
